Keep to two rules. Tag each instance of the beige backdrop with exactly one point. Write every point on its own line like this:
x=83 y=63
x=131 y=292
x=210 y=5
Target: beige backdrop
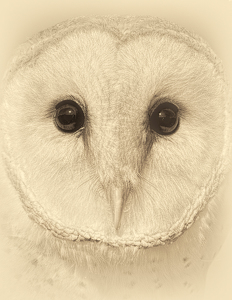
x=212 y=19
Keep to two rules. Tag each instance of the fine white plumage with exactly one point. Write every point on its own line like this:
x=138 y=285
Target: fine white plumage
x=117 y=141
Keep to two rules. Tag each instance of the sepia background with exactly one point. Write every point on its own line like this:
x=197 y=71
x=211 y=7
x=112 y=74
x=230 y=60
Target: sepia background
x=211 y=19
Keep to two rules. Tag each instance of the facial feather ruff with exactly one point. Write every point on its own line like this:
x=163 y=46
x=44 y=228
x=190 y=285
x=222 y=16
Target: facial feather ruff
x=117 y=137
x=115 y=179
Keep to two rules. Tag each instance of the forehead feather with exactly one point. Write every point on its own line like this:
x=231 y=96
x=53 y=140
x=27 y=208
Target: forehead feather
x=121 y=28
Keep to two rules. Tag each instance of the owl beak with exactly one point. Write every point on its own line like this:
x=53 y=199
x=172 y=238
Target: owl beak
x=117 y=197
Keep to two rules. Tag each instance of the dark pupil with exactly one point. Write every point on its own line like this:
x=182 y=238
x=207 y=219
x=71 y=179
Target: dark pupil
x=164 y=119
x=167 y=118
x=67 y=116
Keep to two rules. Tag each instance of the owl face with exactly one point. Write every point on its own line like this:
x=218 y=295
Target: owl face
x=115 y=130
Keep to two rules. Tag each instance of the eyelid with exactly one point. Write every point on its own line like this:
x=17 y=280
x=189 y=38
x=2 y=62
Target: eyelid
x=164 y=105
x=51 y=111
x=154 y=104
x=157 y=100
x=78 y=100
x=66 y=102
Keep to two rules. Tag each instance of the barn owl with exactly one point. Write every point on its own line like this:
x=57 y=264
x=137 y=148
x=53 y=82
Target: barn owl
x=117 y=142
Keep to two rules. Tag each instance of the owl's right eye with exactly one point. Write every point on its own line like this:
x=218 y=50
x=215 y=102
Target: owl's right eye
x=69 y=116
x=164 y=119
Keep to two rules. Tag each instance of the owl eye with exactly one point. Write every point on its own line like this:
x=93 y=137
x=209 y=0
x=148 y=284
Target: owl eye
x=69 y=116
x=164 y=119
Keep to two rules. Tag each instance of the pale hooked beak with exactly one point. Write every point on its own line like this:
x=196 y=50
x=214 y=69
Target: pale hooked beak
x=117 y=198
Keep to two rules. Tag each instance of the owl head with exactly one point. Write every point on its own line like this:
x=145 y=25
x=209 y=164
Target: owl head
x=116 y=129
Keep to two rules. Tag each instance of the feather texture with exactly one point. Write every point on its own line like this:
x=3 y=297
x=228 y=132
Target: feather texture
x=117 y=69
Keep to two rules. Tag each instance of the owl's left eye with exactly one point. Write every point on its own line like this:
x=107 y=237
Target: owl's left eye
x=164 y=119
x=69 y=116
